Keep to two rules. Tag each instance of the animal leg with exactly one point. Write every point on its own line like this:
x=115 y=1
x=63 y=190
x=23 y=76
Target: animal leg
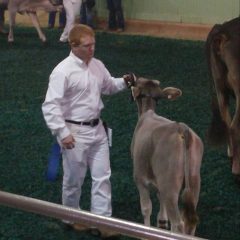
x=235 y=138
x=224 y=120
x=145 y=202
x=12 y=17
x=189 y=213
x=177 y=224
x=35 y=21
x=234 y=79
x=162 y=218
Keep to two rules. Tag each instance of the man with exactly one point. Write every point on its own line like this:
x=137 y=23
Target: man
x=72 y=9
x=72 y=109
x=87 y=13
x=115 y=16
x=61 y=19
x=3 y=7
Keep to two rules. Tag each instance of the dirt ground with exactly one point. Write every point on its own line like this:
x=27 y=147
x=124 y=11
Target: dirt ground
x=139 y=27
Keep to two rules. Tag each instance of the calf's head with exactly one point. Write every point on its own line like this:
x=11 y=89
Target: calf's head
x=147 y=92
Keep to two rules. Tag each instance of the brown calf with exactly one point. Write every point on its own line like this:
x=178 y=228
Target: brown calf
x=167 y=155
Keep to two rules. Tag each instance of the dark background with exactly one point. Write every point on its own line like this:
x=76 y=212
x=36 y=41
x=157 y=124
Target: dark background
x=25 y=140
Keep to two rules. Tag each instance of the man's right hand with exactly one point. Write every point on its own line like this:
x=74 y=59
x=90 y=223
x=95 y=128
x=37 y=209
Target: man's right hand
x=68 y=142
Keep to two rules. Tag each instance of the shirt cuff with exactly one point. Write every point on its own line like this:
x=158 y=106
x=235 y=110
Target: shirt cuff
x=63 y=133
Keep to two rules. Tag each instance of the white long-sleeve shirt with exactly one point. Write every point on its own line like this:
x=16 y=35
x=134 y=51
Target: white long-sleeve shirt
x=74 y=93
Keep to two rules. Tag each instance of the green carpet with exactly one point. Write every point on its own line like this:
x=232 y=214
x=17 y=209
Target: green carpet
x=25 y=140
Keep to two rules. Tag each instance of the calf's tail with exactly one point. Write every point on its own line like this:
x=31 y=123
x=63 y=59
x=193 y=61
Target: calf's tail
x=189 y=209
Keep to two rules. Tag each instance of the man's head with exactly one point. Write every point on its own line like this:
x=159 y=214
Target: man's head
x=82 y=41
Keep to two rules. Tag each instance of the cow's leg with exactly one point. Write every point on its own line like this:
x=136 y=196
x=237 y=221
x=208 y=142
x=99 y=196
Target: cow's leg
x=35 y=21
x=235 y=138
x=145 y=201
x=223 y=102
x=162 y=218
x=234 y=80
x=220 y=79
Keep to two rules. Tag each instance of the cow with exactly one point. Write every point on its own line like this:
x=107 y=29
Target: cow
x=30 y=7
x=166 y=155
x=223 y=57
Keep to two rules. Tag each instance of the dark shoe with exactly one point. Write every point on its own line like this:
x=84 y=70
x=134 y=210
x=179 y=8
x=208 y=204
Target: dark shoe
x=76 y=226
x=104 y=234
x=80 y=227
x=109 y=234
x=50 y=26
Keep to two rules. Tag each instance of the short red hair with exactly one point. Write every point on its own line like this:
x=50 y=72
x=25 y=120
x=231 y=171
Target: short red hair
x=78 y=32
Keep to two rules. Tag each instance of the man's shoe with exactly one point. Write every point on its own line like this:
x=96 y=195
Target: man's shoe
x=80 y=227
x=109 y=234
x=104 y=234
x=63 y=40
x=76 y=226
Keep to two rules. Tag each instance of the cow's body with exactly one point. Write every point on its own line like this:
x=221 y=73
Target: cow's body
x=167 y=155
x=30 y=7
x=223 y=54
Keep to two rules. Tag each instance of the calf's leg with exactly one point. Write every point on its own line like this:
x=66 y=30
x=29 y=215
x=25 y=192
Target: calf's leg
x=162 y=218
x=171 y=200
x=145 y=202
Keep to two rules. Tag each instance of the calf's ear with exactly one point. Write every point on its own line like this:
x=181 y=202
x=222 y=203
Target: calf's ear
x=171 y=93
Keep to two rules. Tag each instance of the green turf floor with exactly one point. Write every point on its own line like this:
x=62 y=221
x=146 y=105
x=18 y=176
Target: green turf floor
x=25 y=139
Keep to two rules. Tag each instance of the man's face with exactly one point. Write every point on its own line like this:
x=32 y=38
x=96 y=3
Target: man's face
x=85 y=51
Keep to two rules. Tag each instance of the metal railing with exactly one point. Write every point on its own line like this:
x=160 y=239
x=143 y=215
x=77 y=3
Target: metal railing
x=58 y=211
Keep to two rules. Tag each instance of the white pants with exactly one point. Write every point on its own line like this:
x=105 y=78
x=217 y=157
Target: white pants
x=72 y=9
x=91 y=150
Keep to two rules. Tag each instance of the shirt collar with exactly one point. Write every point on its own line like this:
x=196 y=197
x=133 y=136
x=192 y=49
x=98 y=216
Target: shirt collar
x=77 y=60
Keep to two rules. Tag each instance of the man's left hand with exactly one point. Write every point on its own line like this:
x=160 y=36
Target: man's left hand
x=130 y=79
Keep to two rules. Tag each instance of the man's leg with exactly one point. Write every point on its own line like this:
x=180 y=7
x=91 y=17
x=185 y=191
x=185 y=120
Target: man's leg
x=101 y=187
x=112 y=24
x=2 y=20
x=74 y=171
x=99 y=164
x=51 y=19
x=119 y=15
x=83 y=13
x=62 y=18
x=70 y=18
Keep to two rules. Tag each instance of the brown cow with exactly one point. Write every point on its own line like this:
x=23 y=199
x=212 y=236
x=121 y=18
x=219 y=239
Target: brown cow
x=167 y=155
x=30 y=7
x=223 y=55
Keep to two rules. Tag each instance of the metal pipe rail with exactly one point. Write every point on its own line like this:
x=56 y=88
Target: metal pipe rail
x=61 y=212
